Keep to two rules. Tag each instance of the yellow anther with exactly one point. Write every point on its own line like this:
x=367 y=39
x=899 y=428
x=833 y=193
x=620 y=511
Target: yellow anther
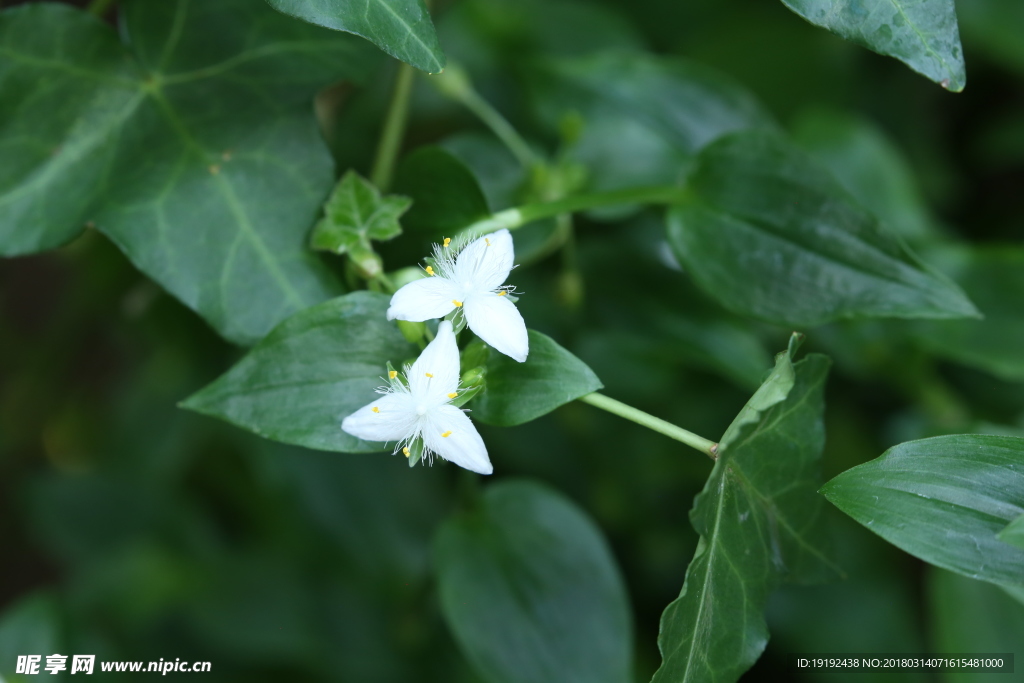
x=430 y=271
x=457 y=302
x=447 y=241
x=503 y=293
x=488 y=241
x=447 y=434
x=406 y=451
x=375 y=409
x=428 y=374
x=392 y=374
x=454 y=394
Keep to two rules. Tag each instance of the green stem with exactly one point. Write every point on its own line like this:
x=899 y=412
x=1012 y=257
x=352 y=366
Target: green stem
x=99 y=7
x=500 y=126
x=709 y=448
x=519 y=216
x=394 y=129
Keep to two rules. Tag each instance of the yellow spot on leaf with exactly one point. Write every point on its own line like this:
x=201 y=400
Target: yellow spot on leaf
x=375 y=409
x=457 y=302
x=447 y=434
x=454 y=394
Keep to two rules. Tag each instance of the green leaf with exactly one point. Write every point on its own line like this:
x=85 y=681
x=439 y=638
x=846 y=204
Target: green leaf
x=356 y=213
x=312 y=370
x=531 y=591
x=769 y=234
x=519 y=392
x=943 y=500
x=868 y=166
x=760 y=523
x=922 y=34
x=402 y=28
x=994 y=279
x=1014 y=533
x=643 y=117
x=972 y=616
x=194 y=148
x=445 y=194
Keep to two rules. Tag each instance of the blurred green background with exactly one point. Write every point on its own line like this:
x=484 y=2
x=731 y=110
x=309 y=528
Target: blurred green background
x=135 y=530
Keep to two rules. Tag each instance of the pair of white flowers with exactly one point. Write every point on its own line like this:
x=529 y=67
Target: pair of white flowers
x=418 y=406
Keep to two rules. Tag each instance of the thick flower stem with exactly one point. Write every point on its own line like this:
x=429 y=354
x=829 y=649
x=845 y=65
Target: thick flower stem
x=708 y=448
x=519 y=216
x=394 y=129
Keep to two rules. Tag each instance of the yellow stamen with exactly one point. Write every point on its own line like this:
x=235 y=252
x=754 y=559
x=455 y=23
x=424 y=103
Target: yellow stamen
x=457 y=302
x=375 y=409
x=488 y=241
x=430 y=271
x=406 y=451
x=503 y=293
x=447 y=434
x=454 y=394
x=447 y=241
x=428 y=374
x=392 y=374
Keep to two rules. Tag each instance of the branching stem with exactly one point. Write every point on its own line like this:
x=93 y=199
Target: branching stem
x=521 y=215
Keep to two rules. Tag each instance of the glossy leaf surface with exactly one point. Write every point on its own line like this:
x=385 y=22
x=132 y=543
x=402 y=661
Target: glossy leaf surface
x=944 y=500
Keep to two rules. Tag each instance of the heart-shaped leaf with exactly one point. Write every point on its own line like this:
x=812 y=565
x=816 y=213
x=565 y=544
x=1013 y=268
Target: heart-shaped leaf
x=760 y=523
x=194 y=148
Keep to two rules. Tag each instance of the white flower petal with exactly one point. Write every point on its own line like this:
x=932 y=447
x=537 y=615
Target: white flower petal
x=394 y=419
x=463 y=445
x=486 y=262
x=435 y=374
x=497 y=321
x=424 y=299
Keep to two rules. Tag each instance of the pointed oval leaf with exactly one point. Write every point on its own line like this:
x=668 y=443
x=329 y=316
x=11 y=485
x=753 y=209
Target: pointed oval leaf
x=519 y=392
x=760 y=523
x=923 y=34
x=944 y=500
x=769 y=234
x=206 y=122
x=311 y=371
x=402 y=28
x=531 y=590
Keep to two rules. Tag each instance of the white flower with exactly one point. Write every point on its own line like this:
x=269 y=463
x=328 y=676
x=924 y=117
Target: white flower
x=470 y=279
x=422 y=408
